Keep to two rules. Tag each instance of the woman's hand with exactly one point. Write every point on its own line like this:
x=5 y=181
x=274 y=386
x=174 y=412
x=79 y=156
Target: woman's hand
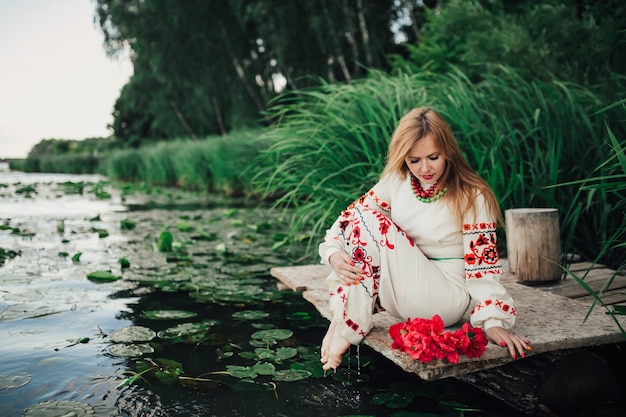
x=344 y=267
x=505 y=338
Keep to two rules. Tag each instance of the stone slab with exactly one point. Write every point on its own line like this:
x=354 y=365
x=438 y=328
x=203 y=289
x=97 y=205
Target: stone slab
x=550 y=321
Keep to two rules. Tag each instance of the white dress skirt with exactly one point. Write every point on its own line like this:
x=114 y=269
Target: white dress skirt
x=419 y=288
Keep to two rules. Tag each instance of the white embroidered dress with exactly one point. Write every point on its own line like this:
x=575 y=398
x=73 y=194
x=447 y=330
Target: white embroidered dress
x=416 y=262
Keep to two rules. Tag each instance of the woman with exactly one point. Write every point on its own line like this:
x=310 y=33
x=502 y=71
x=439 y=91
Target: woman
x=421 y=242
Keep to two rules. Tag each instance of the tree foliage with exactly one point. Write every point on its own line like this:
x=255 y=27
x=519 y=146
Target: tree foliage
x=206 y=66
x=582 y=41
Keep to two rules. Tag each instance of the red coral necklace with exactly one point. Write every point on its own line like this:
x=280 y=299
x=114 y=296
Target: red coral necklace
x=433 y=193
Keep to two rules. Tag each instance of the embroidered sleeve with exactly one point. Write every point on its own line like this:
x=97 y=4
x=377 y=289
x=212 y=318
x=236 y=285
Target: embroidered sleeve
x=494 y=306
x=377 y=198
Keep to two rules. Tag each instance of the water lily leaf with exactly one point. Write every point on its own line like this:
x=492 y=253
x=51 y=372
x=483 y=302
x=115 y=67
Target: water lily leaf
x=59 y=408
x=165 y=241
x=264 y=353
x=283 y=353
x=290 y=375
x=241 y=371
x=126 y=224
x=168 y=371
x=263 y=326
x=184 y=226
x=272 y=334
x=102 y=276
x=250 y=314
x=130 y=351
x=130 y=334
x=187 y=329
x=101 y=232
x=124 y=263
x=264 y=368
x=168 y=314
x=15 y=380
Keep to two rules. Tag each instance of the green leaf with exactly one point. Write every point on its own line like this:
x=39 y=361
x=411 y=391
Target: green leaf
x=290 y=375
x=130 y=334
x=124 y=263
x=130 y=351
x=165 y=241
x=250 y=314
x=102 y=276
x=241 y=371
x=272 y=335
x=284 y=353
x=168 y=314
x=126 y=224
x=264 y=368
x=184 y=226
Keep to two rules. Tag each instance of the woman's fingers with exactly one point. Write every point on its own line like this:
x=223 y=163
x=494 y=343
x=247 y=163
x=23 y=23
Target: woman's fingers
x=515 y=344
x=345 y=268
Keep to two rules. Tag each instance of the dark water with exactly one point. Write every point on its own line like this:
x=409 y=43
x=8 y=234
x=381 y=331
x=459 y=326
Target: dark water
x=56 y=325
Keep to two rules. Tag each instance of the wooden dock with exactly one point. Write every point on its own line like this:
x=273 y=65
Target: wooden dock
x=551 y=315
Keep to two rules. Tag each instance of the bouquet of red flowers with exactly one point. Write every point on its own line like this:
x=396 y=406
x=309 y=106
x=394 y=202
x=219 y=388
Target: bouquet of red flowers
x=426 y=340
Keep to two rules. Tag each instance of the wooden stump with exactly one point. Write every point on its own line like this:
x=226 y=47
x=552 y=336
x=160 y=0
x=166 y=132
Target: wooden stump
x=533 y=244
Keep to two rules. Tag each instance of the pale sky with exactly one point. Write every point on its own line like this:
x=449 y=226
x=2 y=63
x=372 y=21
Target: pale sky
x=55 y=78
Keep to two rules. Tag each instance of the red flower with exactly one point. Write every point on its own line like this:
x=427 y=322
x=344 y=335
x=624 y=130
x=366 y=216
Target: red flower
x=426 y=340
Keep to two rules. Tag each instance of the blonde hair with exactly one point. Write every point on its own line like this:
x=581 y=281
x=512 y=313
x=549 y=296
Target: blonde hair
x=462 y=182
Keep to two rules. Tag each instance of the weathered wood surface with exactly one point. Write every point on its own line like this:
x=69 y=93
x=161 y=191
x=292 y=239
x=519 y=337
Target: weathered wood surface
x=534 y=243
x=551 y=321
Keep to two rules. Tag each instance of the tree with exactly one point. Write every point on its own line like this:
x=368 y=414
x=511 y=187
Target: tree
x=206 y=66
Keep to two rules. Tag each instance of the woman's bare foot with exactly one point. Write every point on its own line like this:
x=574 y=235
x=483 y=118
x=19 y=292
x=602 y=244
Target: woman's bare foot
x=333 y=348
x=326 y=342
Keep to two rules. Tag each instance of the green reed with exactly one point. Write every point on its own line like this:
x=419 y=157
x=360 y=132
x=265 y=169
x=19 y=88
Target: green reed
x=329 y=143
x=212 y=164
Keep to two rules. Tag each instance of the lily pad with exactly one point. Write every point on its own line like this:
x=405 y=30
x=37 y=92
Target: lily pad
x=187 y=329
x=130 y=351
x=59 y=408
x=14 y=381
x=264 y=368
x=168 y=314
x=250 y=314
x=290 y=375
x=241 y=371
x=102 y=276
x=165 y=241
x=272 y=335
x=126 y=224
x=131 y=334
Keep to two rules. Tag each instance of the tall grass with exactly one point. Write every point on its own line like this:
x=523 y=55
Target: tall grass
x=329 y=144
x=609 y=180
x=214 y=164
x=68 y=163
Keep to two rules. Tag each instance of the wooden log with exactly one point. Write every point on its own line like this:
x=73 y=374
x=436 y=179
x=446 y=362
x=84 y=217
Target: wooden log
x=533 y=244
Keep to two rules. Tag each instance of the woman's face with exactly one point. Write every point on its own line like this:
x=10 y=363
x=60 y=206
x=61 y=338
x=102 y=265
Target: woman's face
x=425 y=160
